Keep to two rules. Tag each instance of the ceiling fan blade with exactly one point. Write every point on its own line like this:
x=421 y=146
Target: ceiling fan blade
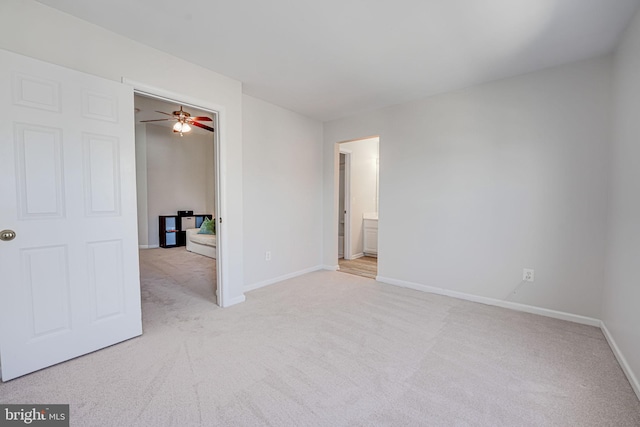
x=200 y=125
x=156 y=120
x=202 y=119
x=162 y=112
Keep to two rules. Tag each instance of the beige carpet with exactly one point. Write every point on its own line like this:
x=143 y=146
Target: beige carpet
x=331 y=349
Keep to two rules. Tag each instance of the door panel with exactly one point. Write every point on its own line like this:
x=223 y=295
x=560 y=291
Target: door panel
x=106 y=279
x=44 y=272
x=102 y=177
x=70 y=279
x=39 y=164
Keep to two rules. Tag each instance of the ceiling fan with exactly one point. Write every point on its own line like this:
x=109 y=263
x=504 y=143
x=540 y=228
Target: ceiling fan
x=184 y=121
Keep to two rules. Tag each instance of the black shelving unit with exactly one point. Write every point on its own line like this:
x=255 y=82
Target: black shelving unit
x=169 y=230
x=172 y=231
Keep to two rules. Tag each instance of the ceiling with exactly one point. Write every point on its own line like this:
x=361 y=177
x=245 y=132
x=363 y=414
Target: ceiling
x=333 y=58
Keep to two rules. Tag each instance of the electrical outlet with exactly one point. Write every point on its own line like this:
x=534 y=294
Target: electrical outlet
x=267 y=256
x=527 y=274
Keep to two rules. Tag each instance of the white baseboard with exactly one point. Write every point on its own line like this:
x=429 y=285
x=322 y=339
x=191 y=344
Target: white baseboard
x=268 y=282
x=493 y=301
x=331 y=267
x=356 y=256
x=234 y=301
x=633 y=380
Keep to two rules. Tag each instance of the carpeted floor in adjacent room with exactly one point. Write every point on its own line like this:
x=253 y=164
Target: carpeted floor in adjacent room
x=332 y=349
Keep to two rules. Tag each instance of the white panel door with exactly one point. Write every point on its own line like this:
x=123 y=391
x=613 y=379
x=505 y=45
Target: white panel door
x=69 y=281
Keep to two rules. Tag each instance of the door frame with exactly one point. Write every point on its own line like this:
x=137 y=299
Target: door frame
x=347 y=203
x=219 y=148
x=336 y=180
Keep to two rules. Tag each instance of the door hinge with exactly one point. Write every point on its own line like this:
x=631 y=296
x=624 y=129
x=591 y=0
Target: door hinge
x=220 y=220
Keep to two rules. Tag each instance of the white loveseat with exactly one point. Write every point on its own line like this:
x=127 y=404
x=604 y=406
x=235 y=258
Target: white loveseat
x=203 y=244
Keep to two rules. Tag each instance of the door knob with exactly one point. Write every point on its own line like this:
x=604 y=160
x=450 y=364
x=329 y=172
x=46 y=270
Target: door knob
x=7 y=235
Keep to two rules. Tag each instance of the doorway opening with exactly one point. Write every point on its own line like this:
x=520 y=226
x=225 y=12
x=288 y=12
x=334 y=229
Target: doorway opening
x=357 y=213
x=178 y=195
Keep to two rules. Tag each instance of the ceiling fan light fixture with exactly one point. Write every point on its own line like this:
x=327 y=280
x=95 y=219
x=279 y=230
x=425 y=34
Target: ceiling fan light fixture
x=181 y=127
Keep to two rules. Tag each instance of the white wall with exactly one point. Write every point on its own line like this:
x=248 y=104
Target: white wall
x=364 y=171
x=479 y=183
x=282 y=192
x=35 y=30
x=178 y=173
x=621 y=296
